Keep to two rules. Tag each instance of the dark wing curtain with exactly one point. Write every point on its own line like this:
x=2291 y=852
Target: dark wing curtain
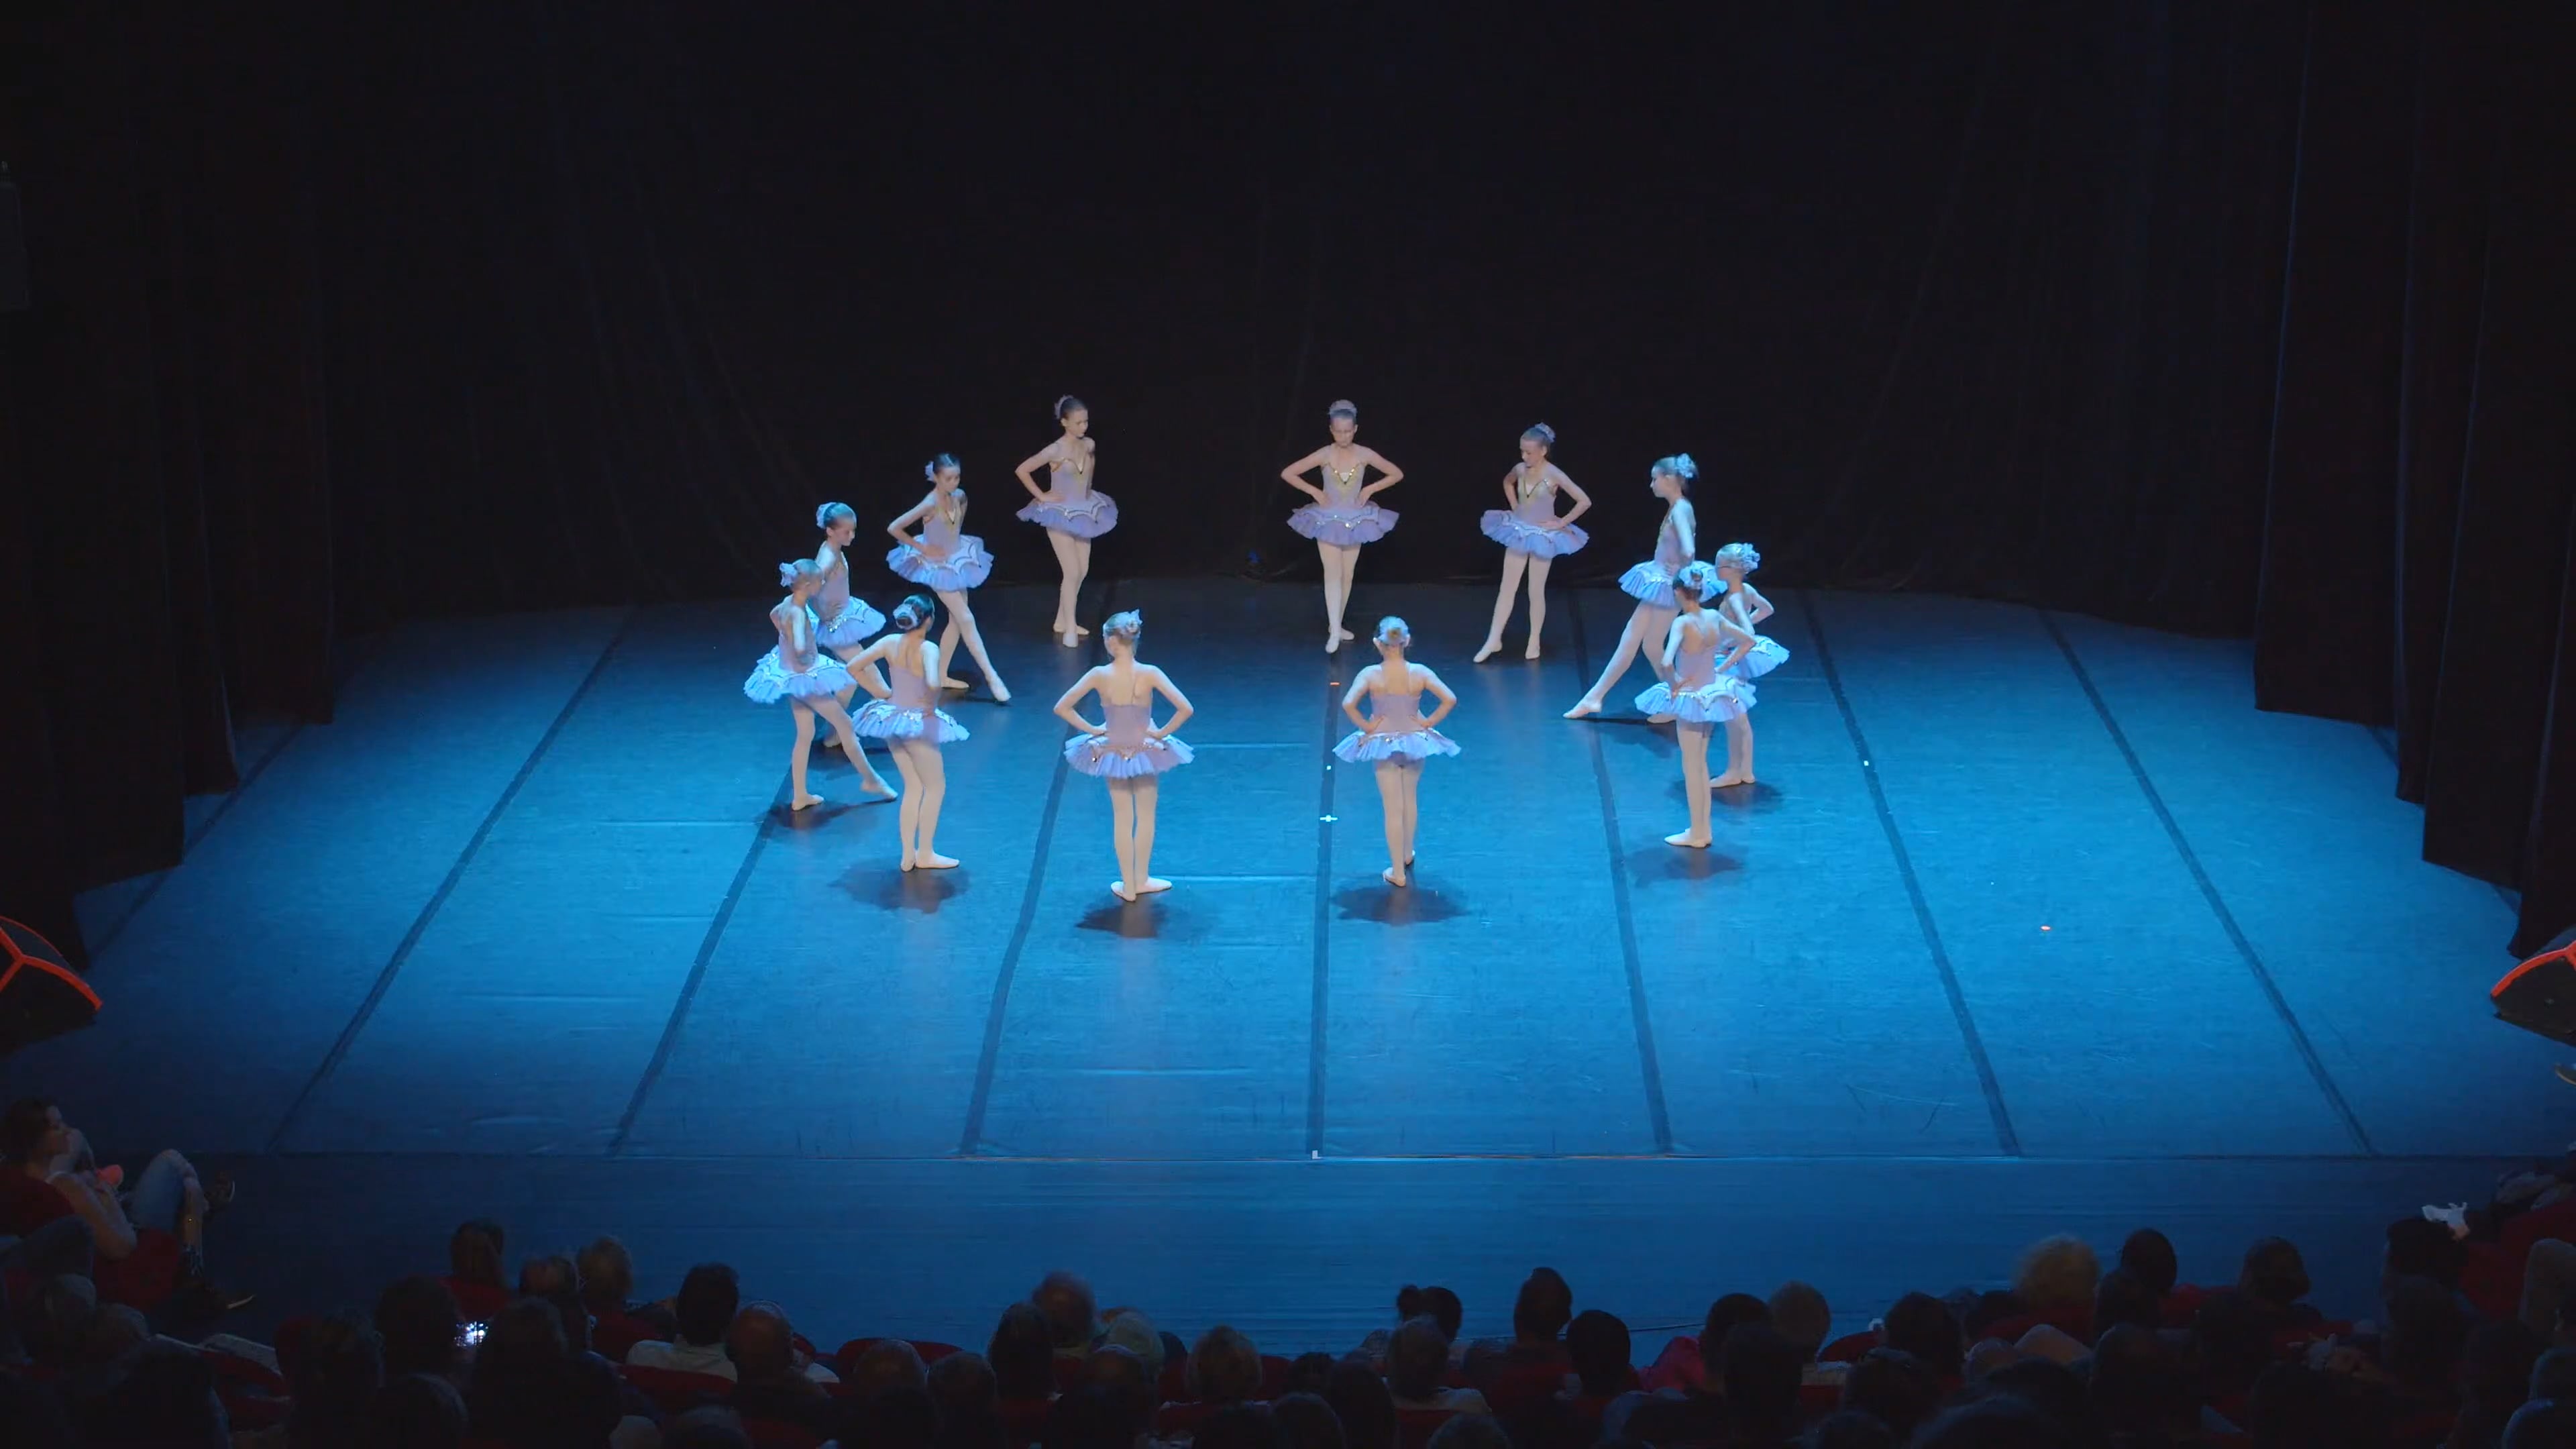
x=166 y=516
x=2420 y=546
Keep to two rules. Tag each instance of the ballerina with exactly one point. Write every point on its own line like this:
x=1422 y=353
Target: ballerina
x=847 y=621
x=1651 y=583
x=1396 y=737
x=1071 y=512
x=1129 y=751
x=1744 y=608
x=1342 y=517
x=794 y=670
x=948 y=563
x=1702 y=692
x=906 y=715
x=1532 y=535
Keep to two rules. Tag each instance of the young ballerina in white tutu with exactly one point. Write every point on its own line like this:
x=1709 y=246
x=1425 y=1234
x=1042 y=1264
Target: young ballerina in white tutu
x=1396 y=737
x=795 y=670
x=906 y=715
x=1342 y=517
x=1069 y=507
x=948 y=562
x=1702 y=693
x=1128 y=751
x=1651 y=583
x=1744 y=608
x=1532 y=533
x=848 y=622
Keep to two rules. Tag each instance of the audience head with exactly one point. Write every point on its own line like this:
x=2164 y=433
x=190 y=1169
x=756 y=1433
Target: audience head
x=969 y=1403
x=2124 y=1297
x=1851 y=1429
x=2232 y=1339
x=2274 y=1276
x=1022 y=1353
x=888 y=1363
x=1136 y=1333
x=1599 y=1346
x=1123 y=1373
x=1224 y=1367
x=1802 y=1316
x=1761 y=1369
x=417 y=1411
x=474 y=1254
x=1071 y=1312
x=2150 y=1255
x=2420 y=1248
x=1544 y=1306
x=1239 y=1426
x=1090 y=1417
x=1921 y=1325
x=1417 y=1358
x=712 y=1426
x=416 y=1318
x=521 y=1355
x=2424 y=1334
x=902 y=1417
x=1470 y=1431
x=1723 y=1317
x=1361 y=1400
x=1307 y=1374
x=66 y=1308
x=32 y=1130
x=708 y=1299
x=762 y=1344
x=1437 y=1304
x=2057 y=1273
x=2495 y=1376
x=2542 y=1424
x=164 y=1397
x=558 y=1282
x=1893 y=1387
x=338 y=1368
x=1307 y=1422
x=607 y=1273
x=2553 y=1375
x=117 y=1330
x=2139 y=1384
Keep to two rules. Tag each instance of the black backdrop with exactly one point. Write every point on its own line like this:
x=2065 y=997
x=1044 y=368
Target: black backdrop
x=2230 y=318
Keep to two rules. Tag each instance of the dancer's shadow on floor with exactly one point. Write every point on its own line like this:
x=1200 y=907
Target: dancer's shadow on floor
x=924 y=891
x=1411 y=905
x=1659 y=862
x=813 y=817
x=1759 y=798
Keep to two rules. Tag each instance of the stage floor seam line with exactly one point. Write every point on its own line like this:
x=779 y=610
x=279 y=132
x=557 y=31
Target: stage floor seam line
x=420 y=925
x=2209 y=891
x=1321 y=1000
x=2005 y=1135
x=194 y=838
x=1658 y=1116
x=1215 y=1163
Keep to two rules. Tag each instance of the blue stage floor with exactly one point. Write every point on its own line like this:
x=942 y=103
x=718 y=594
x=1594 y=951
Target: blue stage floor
x=2034 y=923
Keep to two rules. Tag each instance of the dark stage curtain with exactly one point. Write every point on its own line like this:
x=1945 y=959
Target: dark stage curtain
x=2223 y=318
x=2417 y=554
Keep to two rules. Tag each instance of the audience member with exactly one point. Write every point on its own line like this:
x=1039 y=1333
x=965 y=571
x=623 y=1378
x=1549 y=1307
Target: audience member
x=2124 y=1297
x=888 y=1363
x=709 y=1297
x=969 y=1402
x=2274 y=1282
x=1224 y=1368
x=2495 y=1379
x=417 y=1411
x=147 y=1236
x=417 y=1320
x=1240 y=1426
x=711 y=1427
x=1470 y=1431
x=1366 y=1408
x=1307 y=1422
x=531 y=1391
x=2140 y=1386
x=339 y=1370
x=163 y=1397
x=1022 y=1354
x=1072 y=1314
x=1851 y=1429
x=2056 y=1279
x=1894 y=1387
x=1307 y=1374
x=1922 y=1325
x=769 y=1382
x=607 y=1273
x=1417 y=1359
x=1598 y=1347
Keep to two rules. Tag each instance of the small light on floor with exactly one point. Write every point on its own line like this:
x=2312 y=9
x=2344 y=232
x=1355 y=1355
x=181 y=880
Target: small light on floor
x=1329 y=819
x=2043 y=928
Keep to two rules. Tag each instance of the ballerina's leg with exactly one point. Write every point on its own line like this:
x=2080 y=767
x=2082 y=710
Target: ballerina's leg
x=908 y=818
x=1739 y=754
x=1149 y=790
x=1390 y=795
x=961 y=621
x=839 y=719
x=1350 y=573
x=1538 y=568
x=798 y=799
x=1630 y=634
x=1122 y=837
x=1070 y=565
x=1694 y=743
x=1412 y=808
x=934 y=789
x=1081 y=575
x=1513 y=562
x=1332 y=595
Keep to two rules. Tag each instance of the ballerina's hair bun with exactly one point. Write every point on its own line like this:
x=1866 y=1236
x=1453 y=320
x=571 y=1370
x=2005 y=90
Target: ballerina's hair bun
x=913 y=612
x=1068 y=404
x=938 y=464
x=1126 y=625
x=1344 y=408
x=1743 y=555
x=1394 y=632
x=826 y=515
x=1679 y=465
x=789 y=573
x=1543 y=433
x=1700 y=577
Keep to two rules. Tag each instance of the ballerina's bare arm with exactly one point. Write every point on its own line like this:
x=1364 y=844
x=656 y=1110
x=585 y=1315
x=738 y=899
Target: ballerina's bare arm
x=869 y=679
x=1180 y=702
x=1295 y=474
x=1033 y=462
x=1757 y=608
x=826 y=556
x=1371 y=458
x=1359 y=685
x=1686 y=527
x=1582 y=500
x=1512 y=487
x=1065 y=711
x=913 y=515
x=1430 y=682
x=1738 y=639
x=1673 y=642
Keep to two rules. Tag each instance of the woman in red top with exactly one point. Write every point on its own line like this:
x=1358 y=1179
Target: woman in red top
x=147 y=1241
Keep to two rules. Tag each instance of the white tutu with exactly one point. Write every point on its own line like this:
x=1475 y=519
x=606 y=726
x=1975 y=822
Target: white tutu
x=1760 y=660
x=1651 y=583
x=1362 y=747
x=771 y=680
x=1515 y=532
x=855 y=624
x=1715 y=702
x=885 y=720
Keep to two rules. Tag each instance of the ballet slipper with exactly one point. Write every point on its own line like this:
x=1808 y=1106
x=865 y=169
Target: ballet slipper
x=907 y=860
x=1684 y=838
x=1081 y=631
x=876 y=785
x=1072 y=639
x=1152 y=884
x=956 y=684
x=1341 y=633
x=1333 y=645
x=1119 y=889
x=1391 y=876
x=1583 y=707
x=1000 y=695
x=929 y=861
x=1492 y=648
x=806 y=802
x=1729 y=782
x=1532 y=651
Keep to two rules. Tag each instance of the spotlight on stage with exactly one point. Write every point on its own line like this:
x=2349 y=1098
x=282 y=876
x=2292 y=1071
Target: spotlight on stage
x=2540 y=994
x=39 y=991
